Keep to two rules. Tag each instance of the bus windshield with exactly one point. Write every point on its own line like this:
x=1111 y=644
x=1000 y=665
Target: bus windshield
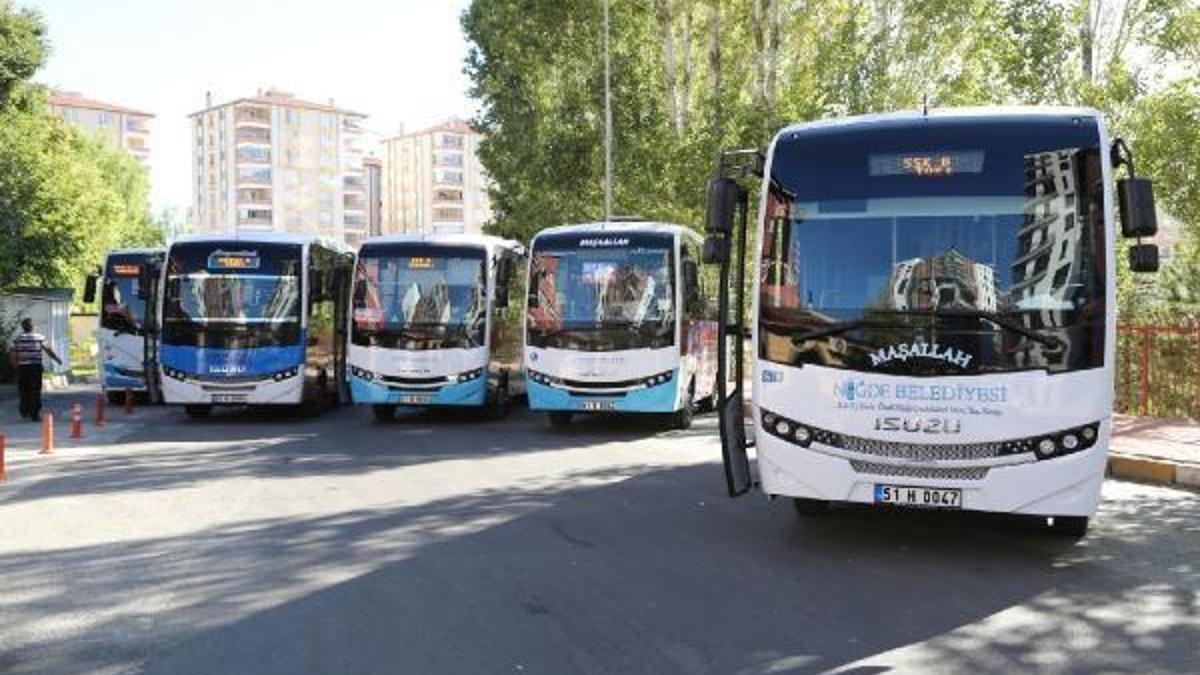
x=232 y=295
x=412 y=296
x=602 y=292
x=959 y=247
x=120 y=308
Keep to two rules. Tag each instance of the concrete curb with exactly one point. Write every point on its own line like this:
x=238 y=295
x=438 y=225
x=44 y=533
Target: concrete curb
x=1154 y=470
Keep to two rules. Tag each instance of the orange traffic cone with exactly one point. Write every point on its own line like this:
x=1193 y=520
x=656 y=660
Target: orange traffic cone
x=47 y=434
x=76 y=421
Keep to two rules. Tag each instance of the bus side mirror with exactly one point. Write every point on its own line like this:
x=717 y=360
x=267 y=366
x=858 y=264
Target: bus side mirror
x=722 y=200
x=716 y=250
x=1135 y=198
x=89 y=288
x=1143 y=258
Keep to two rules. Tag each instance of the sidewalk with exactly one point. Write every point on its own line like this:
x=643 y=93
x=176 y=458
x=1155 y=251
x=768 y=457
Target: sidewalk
x=1155 y=450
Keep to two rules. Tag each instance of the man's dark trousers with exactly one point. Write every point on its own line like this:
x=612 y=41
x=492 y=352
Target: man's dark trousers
x=29 y=384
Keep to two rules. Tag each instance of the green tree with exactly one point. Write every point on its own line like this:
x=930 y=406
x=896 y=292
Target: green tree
x=23 y=47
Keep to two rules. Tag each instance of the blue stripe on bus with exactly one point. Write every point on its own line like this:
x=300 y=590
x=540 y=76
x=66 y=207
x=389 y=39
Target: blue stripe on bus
x=211 y=362
x=661 y=398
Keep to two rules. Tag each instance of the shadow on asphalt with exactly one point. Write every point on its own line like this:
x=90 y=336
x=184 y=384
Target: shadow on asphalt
x=658 y=573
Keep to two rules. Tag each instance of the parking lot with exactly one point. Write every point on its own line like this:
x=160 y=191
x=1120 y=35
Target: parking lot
x=264 y=543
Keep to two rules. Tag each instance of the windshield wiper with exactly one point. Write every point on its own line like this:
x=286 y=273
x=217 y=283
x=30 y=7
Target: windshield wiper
x=1051 y=341
x=827 y=330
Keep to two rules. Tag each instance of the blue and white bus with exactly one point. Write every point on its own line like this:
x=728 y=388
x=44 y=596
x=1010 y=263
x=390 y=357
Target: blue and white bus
x=121 y=327
x=618 y=320
x=253 y=319
x=431 y=323
x=934 y=309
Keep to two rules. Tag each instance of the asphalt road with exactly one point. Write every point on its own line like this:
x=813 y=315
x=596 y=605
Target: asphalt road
x=266 y=544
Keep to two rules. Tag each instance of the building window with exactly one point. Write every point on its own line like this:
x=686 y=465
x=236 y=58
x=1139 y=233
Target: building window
x=325 y=218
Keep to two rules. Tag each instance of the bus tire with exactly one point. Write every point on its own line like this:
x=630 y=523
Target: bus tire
x=115 y=397
x=383 y=412
x=1074 y=527
x=810 y=507
x=197 y=412
x=682 y=419
x=498 y=408
x=560 y=419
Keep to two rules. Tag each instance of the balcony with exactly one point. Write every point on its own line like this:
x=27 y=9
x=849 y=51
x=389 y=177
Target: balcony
x=351 y=125
x=254 y=197
x=354 y=202
x=254 y=177
x=448 y=197
x=250 y=154
x=353 y=184
x=136 y=125
x=253 y=116
x=253 y=136
x=255 y=217
x=355 y=221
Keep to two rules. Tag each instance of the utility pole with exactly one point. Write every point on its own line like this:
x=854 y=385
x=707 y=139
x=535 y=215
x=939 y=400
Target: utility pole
x=607 y=124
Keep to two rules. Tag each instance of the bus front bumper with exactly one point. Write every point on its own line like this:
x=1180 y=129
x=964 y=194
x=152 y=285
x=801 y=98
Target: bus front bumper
x=472 y=393
x=1063 y=486
x=662 y=398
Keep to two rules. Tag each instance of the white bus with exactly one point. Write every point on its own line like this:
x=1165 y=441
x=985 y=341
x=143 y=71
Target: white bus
x=253 y=319
x=431 y=323
x=121 y=327
x=934 y=310
x=618 y=320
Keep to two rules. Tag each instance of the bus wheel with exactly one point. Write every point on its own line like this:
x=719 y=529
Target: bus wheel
x=115 y=397
x=560 y=419
x=682 y=418
x=498 y=409
x=1075 y=527
x=383 y=412
x=810 y=507
x=197 y=412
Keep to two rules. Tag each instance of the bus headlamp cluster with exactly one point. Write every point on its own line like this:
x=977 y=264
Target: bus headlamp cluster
x=543 y=379
x=469 y=375
x=1066 y=442
x=789 y=430
x=285 y=374
x=659 y=378
x=174 y=373
x=361 y=373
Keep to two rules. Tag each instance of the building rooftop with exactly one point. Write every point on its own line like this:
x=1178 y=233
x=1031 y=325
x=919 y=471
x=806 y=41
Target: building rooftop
x=453 y=124
x=276 y=97
x=73 y=99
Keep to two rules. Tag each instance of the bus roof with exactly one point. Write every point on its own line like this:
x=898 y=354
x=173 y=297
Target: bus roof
x=135 y=251
x=908 y=117
x=484 y=240
x=264 y=237
x=622 y=226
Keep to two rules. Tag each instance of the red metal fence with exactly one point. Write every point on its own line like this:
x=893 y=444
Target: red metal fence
x=1158 y=370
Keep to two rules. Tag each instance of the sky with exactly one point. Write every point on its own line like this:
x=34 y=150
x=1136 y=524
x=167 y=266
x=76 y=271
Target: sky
x=399 y=61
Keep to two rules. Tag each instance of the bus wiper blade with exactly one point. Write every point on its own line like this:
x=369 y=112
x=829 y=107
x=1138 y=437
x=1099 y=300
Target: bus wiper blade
x=1051 y=341
x=827 y=330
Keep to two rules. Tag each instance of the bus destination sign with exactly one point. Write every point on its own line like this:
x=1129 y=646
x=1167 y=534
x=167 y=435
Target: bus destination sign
x=239 y=260
x=926 y=164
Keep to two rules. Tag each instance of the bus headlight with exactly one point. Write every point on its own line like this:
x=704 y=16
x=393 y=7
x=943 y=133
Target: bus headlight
x=468 y=375
x=658 y=378
x=285 y=374
x=1045 y=448
x=362 y=374
x=174 y=374
x=1070 y=442
x=788 y=430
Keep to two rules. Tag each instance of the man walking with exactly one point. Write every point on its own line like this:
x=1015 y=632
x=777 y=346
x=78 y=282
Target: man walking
x=27 y=352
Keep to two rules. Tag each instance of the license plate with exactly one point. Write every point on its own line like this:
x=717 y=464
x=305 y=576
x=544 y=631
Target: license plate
x=903 y=495
x=414 y=399
x=598 y=406
x=228 y=398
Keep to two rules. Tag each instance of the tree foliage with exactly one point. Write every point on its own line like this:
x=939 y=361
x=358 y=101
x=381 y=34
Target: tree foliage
x=65 y=198
x=693 y=77
x=23 y=47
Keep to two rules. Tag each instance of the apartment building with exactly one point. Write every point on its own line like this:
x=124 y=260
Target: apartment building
x=125 y=128
x=433 y=181
x=274 y=162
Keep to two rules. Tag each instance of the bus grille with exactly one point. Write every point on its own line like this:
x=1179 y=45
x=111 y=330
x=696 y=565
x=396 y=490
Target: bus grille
x=930 y=472
x=922 y=452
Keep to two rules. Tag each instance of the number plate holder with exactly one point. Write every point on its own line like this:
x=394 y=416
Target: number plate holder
x=597 y=406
